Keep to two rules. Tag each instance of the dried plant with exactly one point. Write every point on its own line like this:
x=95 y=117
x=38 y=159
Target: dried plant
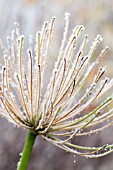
x=69 y=106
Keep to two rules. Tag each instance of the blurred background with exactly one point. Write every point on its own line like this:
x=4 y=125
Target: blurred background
x=97 y=18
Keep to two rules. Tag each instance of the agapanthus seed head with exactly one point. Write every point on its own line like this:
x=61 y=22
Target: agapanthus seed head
x=66 y=109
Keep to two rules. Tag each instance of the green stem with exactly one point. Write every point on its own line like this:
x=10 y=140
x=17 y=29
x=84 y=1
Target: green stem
x=30 y=139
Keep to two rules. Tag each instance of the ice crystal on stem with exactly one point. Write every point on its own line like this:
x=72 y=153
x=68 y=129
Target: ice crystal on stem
x=60 y=115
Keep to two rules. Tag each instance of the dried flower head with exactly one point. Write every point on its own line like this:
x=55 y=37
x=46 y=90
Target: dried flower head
x=68 y=108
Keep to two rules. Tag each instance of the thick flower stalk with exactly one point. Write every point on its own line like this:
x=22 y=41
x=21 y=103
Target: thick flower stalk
x=69 y=106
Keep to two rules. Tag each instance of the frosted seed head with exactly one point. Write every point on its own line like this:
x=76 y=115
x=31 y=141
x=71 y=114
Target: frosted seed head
x=72 y=72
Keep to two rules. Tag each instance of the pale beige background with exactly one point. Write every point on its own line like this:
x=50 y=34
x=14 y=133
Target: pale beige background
x=97 y=17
